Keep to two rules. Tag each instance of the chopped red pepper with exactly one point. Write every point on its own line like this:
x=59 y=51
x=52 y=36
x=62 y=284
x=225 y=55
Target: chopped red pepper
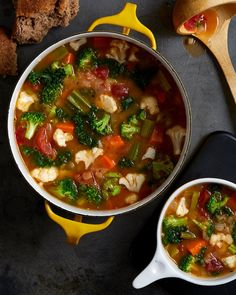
x=202 y=201
x=101 y=72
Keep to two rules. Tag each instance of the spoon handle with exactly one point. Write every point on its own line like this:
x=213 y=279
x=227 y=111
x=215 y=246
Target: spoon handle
x=218 y=45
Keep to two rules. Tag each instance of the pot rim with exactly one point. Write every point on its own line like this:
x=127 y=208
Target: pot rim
x=24 y=170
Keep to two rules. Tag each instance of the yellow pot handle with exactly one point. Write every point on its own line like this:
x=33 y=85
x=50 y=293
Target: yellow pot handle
x=75 y=229
x=127 y=19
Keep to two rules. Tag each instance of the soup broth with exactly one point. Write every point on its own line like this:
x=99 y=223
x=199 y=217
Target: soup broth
x=100 y=123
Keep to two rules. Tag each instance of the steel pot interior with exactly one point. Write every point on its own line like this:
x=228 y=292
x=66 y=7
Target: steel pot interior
x=22 y=166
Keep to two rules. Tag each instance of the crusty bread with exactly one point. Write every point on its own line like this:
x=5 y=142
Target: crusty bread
x=8 y=57
x=35 y=18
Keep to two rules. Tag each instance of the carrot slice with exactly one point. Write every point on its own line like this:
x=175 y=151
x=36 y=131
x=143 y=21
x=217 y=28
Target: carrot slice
x=116 y=141
x=106 y=162
x=69 y=59
x=194 y=246
x=66 y=126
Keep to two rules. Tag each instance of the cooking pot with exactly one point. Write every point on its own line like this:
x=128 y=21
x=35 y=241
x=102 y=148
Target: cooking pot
x=128 y=20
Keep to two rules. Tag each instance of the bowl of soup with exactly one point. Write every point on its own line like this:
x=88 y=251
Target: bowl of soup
x=99 y=124
x=196 y=235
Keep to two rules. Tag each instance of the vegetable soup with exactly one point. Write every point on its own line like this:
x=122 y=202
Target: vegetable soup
x=100 y=123
x=199 y=230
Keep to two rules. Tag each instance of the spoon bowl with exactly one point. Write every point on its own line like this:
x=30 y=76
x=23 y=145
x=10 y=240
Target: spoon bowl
x=217 y=14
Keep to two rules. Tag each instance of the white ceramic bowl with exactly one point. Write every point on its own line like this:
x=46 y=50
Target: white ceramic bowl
x=162 y=266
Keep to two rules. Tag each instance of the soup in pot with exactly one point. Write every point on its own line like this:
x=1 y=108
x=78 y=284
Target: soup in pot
x=100 y=123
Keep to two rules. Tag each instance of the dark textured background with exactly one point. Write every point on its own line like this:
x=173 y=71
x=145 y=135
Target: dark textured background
x=34 y=258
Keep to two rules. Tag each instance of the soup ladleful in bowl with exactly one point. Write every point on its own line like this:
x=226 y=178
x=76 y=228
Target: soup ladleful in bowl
x=214 y=257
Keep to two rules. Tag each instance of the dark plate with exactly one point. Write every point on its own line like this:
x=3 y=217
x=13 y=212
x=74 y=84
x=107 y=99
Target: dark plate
x=215 y=158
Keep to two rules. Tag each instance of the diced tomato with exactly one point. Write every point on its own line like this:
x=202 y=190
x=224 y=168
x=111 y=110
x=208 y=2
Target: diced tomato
x=157 y=136
x=194 y=246
x=20 y=135
x=66 y=126
x=101 y=42
x=119 y=90
x=232 y=202
x=69 y=59
x=34 y=87
x=101 y=72
x=43 y=139
x=105 y=162
x=158 y=93
x=196 y=23
x=202 y=201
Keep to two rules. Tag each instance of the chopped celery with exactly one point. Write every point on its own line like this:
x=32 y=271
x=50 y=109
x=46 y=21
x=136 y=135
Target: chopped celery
x=60 y=52
x=69 y=70
x=147 y=128
x=173 y=250
x=134 y=151
x=113 y=175
x=232 y=249
x=188 y=235
x=78 y=101
x=194 y=200
x=163 y=81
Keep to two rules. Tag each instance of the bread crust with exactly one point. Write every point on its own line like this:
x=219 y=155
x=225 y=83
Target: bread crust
x=8 y=57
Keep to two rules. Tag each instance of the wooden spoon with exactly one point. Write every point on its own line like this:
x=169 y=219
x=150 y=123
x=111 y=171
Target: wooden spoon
x=215 y=37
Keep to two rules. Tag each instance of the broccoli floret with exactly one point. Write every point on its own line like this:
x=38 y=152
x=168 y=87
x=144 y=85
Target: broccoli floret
x=34 y=77
x=39 y=159
x=33 y=119
x=172 y=235
x=63 y=158
x=127 y=102
x=172 y=221
x=127 y=130
x=66 y=188
x=69 y=71
x=224 y=211
x=206 y=226
x=141 y=115
x=133 y=120
x=186 y=263
x=125 y=163
x=110 y=187
x=162 y=168
x=199 y=258
x=91 y=193
x=61 y=114
x=84 y=136
x=172 y=229
x=100 y=125
x=115 y=68
x=234 y=232
x=86 y=58
x=216 y=202
x=177 y=134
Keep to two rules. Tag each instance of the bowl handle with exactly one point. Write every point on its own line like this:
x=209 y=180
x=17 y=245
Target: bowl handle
x=75 y=229
x=127 y=19
x=156 y=270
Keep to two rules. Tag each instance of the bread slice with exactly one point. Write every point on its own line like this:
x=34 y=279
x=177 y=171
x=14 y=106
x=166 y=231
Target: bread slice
x=8 y=57
x=35 y=18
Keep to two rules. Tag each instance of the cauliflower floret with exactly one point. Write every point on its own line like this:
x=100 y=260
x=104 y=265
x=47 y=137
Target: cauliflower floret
x=76 y=44
x=177 y=134
x=25 y=100
x=182 y=209
x=229 y=261
x=131 y=199
x=219 y=239
x=149 y=154
x=61 y=137
x=150 y=103
x=133 y=182
x=118 y=50
x=45 y=174
x=132 y=56
x=108 y=103
x=88 y=156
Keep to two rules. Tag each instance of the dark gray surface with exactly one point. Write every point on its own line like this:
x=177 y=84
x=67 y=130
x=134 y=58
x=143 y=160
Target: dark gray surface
x=34 y=258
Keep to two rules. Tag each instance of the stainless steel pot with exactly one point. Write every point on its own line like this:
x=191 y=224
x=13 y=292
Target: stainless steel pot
x=128 y=19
